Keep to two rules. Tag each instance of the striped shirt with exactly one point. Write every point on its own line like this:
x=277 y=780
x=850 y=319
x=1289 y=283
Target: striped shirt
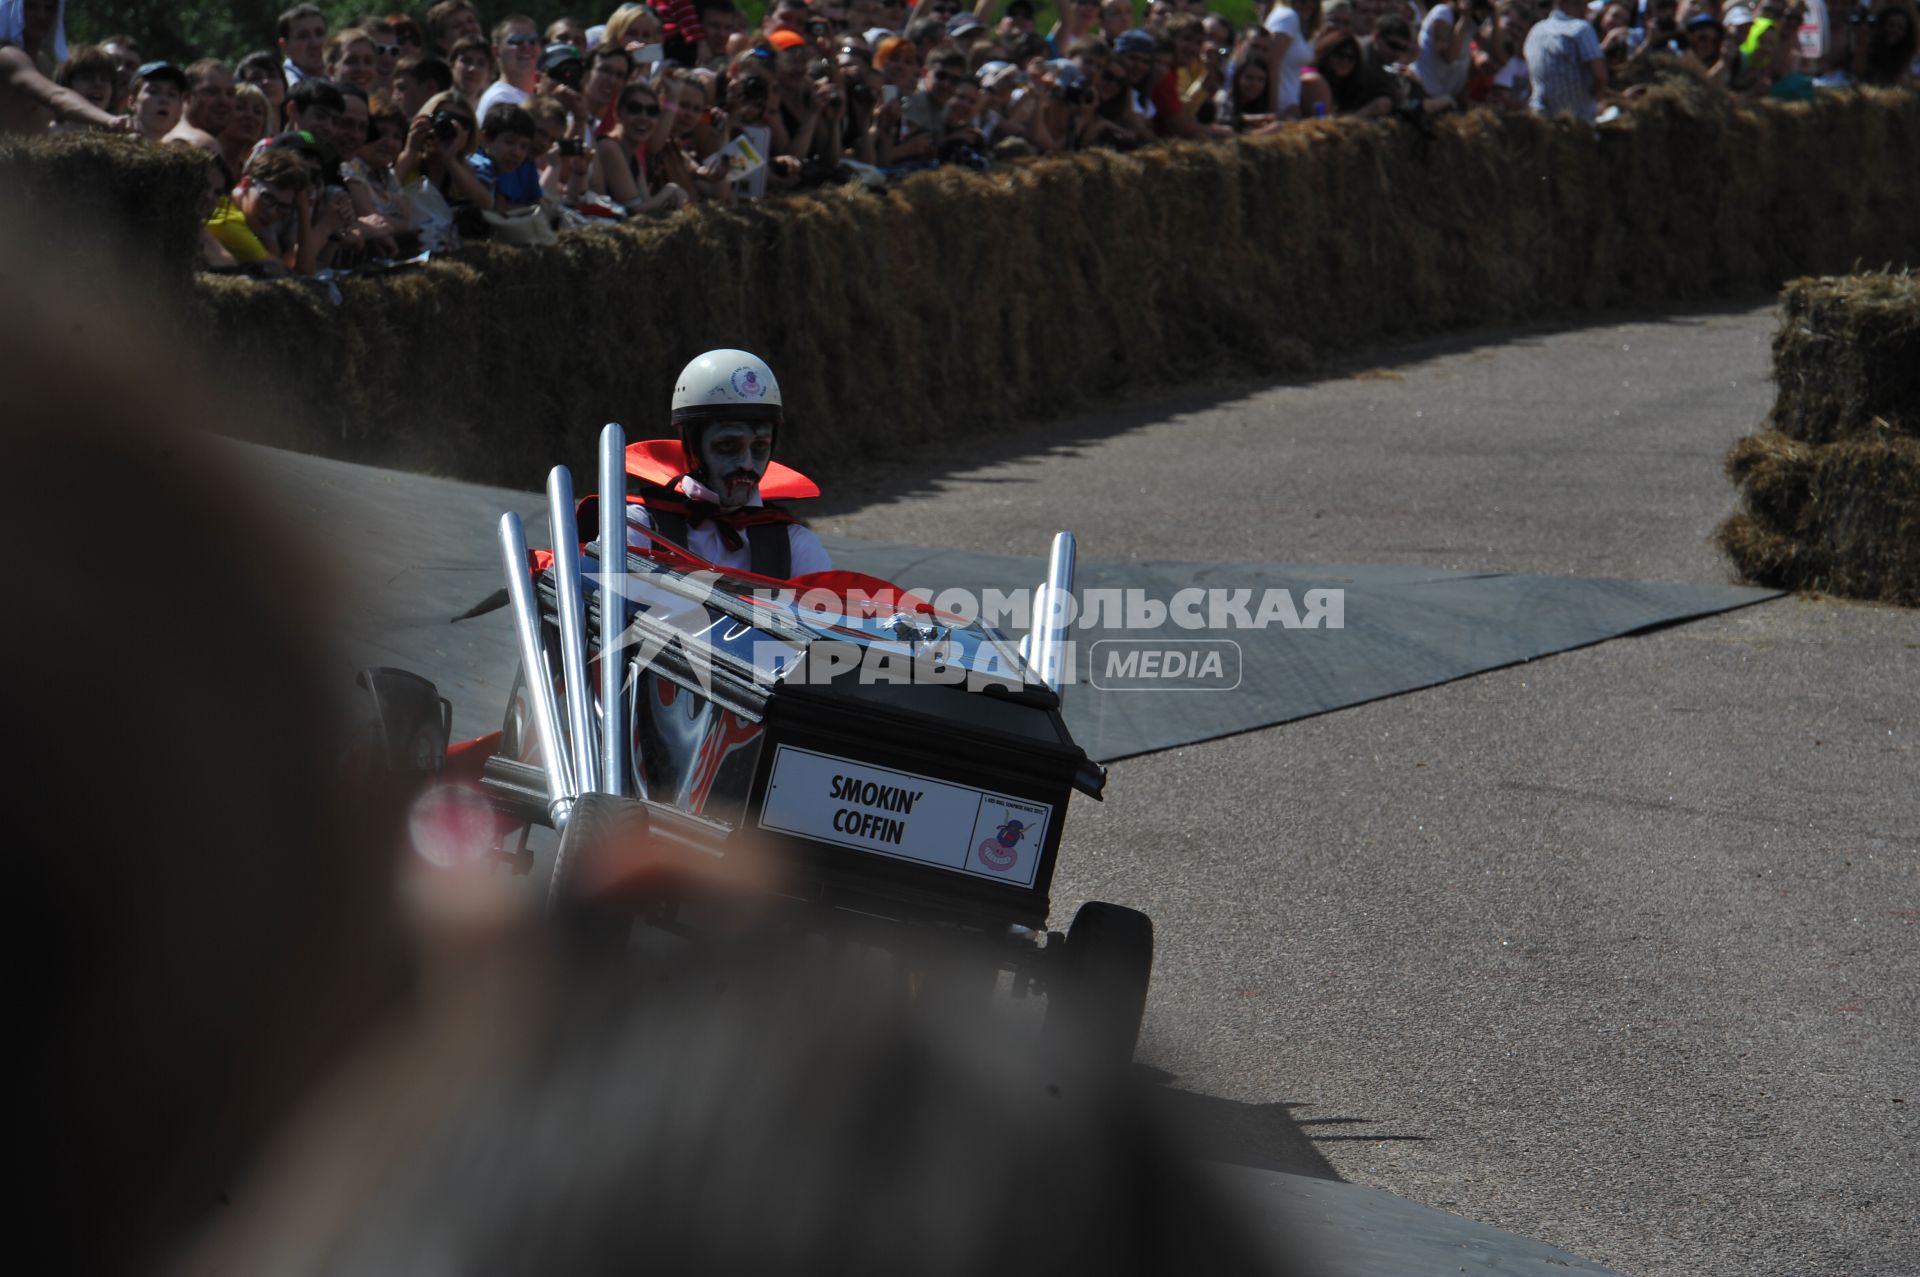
x=1559 y=49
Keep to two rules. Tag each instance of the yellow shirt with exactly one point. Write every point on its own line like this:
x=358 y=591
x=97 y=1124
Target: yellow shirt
x=229 y=225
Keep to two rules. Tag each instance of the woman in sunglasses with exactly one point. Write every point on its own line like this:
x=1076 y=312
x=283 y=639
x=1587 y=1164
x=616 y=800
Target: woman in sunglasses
x=624 y=155
x=1354 y=85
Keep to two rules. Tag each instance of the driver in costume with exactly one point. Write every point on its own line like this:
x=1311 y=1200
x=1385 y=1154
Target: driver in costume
x=703 y=493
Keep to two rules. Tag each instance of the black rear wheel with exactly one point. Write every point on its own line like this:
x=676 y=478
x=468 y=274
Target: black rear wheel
x=1098 y=994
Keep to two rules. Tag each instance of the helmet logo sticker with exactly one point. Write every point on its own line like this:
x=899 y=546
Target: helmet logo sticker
x=747 y=384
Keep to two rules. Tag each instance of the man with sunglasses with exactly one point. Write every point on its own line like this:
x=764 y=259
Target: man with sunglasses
x=923 y=116
x=516 y=49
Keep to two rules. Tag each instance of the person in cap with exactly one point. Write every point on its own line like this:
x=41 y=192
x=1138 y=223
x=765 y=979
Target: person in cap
x=159 y=97
x=706 y=491
x=965 y=30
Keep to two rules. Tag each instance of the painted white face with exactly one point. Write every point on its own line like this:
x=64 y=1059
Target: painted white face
x=734 y=455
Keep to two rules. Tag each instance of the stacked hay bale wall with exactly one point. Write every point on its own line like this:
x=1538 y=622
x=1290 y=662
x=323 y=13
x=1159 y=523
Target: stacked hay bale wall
x=1831 y=487
x=958 y=302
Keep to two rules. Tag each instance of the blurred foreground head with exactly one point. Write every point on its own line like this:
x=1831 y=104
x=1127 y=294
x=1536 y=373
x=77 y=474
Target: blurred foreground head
x=211 y=926
x=735 y=1112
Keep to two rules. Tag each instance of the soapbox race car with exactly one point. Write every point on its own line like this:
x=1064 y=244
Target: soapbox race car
x=909 y=769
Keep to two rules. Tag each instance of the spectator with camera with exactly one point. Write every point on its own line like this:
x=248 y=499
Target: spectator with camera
x=562 y=151
x=303 y=43
x=434 y=155
x=696 y=131
x=209 y=106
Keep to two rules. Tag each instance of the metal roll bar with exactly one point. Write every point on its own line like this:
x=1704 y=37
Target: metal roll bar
x=613 y=607
x=533 y=665
x=571 y=603
x=1051 y=620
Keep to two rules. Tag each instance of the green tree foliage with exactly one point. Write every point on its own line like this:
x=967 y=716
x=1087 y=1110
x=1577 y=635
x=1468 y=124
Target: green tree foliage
x=189 y=29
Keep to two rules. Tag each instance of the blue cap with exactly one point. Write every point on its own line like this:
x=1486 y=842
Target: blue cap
x=1135 y=41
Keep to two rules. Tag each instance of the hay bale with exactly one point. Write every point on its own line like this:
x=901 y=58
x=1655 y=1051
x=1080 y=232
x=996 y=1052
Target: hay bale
x=1842 y=518
x=78 y=192
x=957 y=302
x=1847 y=357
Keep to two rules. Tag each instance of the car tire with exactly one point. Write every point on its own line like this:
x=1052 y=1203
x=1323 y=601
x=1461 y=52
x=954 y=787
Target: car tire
x=1098 y=996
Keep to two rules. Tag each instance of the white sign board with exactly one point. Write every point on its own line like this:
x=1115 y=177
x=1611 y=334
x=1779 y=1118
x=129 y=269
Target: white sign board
x=905 y=816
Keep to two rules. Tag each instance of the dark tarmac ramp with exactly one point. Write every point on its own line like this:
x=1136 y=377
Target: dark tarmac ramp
x=417 y=551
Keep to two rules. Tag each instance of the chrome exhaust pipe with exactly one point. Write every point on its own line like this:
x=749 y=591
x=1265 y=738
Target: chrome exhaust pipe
x=571 y=603
x=533 y=667
x=613 y=607
x=1053 y=623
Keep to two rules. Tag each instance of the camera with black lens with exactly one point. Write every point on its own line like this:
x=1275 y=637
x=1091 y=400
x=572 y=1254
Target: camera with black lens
x=818 y=28
x=753 y=89
x=860 y=93
x=445 y=125
x=1074 y=94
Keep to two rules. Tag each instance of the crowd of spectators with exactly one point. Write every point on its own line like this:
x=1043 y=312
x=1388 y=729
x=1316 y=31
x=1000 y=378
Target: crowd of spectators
x=395 y=136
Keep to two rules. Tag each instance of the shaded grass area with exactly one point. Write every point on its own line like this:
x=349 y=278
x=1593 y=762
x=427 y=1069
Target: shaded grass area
x=1830 y=490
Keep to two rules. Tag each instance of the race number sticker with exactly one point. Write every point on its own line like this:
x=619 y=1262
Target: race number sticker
x=905 y=815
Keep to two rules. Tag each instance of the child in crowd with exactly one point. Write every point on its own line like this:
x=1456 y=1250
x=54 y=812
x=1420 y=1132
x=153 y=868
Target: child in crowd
x=159 y=97
x=504 y=161
x=251 y=224
x=89 y=72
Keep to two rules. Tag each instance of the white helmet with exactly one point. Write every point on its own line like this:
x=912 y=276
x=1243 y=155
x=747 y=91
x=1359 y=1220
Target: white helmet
x=726 y=385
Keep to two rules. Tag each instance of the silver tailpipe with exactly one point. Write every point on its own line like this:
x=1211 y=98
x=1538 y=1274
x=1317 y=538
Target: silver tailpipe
x=533 y=666
x=571 y=604
x=613 y=607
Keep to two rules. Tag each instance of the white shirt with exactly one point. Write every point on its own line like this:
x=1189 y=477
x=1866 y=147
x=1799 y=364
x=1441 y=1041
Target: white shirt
x=497 y=92
x=1440 y=77
x=807 y=552
x=1282 y=20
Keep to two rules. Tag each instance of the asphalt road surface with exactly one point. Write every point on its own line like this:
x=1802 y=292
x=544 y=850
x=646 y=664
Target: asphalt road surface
x=1619 y=949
